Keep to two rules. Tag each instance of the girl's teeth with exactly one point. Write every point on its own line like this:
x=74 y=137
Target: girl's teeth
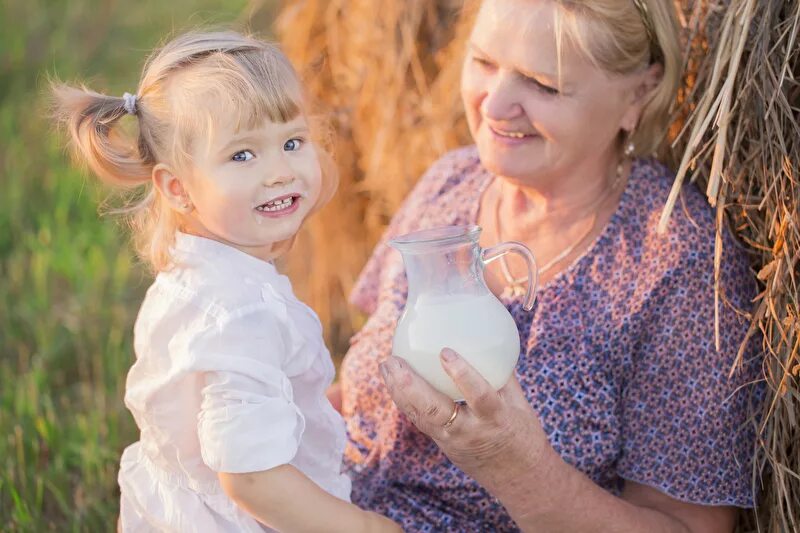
x=276 y=206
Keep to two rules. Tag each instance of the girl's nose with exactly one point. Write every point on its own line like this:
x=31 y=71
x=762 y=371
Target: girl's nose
x=277 y=180
x=279 y=173
x=502 y=100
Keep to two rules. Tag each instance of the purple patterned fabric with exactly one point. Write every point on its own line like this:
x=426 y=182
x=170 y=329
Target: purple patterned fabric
x=617 y=358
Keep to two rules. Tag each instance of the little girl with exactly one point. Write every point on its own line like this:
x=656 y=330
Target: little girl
x=228 y=388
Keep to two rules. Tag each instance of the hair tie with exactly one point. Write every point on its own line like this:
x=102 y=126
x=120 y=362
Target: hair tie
x=129 y=103
x=649 y=27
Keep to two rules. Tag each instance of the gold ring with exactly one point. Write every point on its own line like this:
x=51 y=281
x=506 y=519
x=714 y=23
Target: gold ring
x=452 y=417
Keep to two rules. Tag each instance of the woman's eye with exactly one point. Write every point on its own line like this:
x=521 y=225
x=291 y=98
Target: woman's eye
x=292 y=145
x=542 y=87
x=244 y=155
x=549 y=90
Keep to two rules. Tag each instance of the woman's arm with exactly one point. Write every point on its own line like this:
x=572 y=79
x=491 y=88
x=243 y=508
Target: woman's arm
x=572 y=502
x=498 y=440
x=285 y=499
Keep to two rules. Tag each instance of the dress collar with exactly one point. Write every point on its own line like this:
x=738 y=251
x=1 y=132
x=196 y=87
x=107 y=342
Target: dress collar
x=236 y=260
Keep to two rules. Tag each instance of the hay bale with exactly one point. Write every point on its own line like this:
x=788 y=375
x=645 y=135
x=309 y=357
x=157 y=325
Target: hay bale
x=741 y=142
x=388 y=73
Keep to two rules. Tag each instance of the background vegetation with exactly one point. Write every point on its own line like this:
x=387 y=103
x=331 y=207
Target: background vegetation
x=69 y=285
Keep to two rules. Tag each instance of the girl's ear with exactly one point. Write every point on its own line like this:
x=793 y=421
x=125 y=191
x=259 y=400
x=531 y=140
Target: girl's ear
x=646 y=82
x=171 y=188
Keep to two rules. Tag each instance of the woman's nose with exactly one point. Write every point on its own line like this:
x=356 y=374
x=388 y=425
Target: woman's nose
x=502 y=100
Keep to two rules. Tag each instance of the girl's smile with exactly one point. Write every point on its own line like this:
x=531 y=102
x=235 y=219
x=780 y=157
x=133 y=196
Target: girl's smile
x=281 y=206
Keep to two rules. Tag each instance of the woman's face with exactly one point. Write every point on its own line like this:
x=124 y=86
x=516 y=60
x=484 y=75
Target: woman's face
x=528 y=124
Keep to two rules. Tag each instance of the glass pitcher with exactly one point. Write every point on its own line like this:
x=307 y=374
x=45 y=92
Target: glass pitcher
x=449 y=305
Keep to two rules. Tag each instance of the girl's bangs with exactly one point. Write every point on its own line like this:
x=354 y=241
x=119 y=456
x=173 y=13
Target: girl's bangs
x=246 y=90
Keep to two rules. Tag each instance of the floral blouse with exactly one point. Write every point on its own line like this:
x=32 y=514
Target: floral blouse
x=618 y=359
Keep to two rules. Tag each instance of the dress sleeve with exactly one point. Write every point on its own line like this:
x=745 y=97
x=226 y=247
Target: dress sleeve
x=686 y=425
x=365 y=292
x=248 y=421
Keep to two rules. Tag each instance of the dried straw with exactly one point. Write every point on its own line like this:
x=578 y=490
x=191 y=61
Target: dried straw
x=388 y=71
x=741 y=139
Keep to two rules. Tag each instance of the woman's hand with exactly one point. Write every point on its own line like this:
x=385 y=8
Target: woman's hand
x=495 y=437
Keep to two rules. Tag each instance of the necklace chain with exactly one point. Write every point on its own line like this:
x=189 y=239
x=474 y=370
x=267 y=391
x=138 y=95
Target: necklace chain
x=517 y=285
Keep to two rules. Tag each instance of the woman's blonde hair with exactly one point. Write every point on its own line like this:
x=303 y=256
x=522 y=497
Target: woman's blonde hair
x=621 y=37
x=252 y=78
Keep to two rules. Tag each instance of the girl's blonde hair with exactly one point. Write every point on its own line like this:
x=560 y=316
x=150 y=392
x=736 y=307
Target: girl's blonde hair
x=621 y=37
x=253 y=78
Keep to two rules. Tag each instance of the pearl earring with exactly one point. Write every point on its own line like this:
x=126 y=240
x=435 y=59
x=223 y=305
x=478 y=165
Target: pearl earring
x=630 y=147
x=627 y=153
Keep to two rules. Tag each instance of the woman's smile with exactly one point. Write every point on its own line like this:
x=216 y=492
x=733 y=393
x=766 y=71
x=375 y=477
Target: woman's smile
x=511 y=137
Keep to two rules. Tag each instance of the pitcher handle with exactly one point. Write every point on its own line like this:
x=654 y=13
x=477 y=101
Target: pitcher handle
x=495 y=252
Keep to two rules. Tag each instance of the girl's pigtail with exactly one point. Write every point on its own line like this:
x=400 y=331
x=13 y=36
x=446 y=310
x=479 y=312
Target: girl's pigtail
x=92 y=124
x=90 y=120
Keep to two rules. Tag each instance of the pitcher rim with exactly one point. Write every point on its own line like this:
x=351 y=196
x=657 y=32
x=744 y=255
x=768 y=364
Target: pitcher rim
x=439 y=236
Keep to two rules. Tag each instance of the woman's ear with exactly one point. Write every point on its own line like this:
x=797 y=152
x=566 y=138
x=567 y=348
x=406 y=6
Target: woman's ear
x=645 y=83
x=171 y=188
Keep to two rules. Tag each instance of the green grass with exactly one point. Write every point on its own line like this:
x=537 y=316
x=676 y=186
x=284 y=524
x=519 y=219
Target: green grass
x=69 y=284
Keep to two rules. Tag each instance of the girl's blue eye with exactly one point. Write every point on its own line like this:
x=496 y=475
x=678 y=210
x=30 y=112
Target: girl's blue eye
x=292 y=145
x=244 y=155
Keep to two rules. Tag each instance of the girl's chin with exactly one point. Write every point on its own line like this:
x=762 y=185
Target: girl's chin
x=275 y=239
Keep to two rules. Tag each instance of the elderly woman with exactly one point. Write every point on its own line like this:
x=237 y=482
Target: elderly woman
x=622 y=415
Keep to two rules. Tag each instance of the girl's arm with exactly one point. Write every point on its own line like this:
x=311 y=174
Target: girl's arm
x=283 y=498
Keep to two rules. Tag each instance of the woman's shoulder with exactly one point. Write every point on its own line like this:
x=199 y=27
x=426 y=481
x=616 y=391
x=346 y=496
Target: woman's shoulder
x=686 y=250
x=449 y=171
x=653 y=183
x=456 y=161
x=691 y=228
x=449 y=185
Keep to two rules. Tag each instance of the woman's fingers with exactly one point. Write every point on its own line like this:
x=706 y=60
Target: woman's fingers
x=481 y=397
x=513 y=394
x=427 y=408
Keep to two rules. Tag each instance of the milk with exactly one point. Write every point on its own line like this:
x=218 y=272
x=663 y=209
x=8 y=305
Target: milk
x=478 y=327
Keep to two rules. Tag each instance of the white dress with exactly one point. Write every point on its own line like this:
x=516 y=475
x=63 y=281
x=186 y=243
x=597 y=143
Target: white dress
x=230 y=376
